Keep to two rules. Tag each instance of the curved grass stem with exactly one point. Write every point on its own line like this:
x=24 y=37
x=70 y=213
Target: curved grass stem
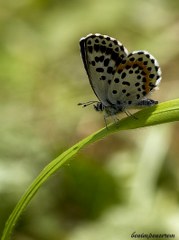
x=162 y=113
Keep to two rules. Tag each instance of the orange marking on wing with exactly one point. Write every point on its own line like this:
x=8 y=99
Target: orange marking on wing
x=144 y=68
x=147 y=76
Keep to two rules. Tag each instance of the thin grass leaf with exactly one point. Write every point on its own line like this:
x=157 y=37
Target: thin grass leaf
x=162 y=113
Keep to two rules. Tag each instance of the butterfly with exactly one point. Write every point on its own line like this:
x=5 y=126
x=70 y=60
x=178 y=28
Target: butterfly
x=120 y=80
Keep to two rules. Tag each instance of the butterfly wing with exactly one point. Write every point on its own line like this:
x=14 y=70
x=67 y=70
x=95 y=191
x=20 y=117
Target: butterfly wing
x=101 y=56
x=134 y=79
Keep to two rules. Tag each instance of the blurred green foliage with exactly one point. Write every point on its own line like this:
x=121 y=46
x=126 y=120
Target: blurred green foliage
x=125 y=183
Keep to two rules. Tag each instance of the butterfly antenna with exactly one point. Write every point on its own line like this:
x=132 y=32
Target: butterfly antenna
x=86 y=104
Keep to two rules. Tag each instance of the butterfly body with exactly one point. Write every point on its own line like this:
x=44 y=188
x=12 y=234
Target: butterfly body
x=120 y=80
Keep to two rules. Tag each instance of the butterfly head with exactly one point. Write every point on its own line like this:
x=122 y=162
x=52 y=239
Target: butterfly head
x=110 y=110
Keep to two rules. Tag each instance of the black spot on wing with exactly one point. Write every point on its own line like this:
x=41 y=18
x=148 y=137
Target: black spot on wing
x=106 y=62
x=123 y=75
x=90 y=49
x=102 y=49
x=116 y=80
x=109 y=70
x=99 y=69
x=126 y=83
x=96 y=47
x=114 y=91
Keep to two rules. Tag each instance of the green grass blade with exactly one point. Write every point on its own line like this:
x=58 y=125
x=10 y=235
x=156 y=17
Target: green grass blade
x=162 y=113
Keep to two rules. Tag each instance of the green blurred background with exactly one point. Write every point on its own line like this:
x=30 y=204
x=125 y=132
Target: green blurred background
x=128 y=182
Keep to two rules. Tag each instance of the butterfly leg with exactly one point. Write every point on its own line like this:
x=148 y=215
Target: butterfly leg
x=115 y=119
x=130 y=114
x=105 y=121
x=86 y=104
